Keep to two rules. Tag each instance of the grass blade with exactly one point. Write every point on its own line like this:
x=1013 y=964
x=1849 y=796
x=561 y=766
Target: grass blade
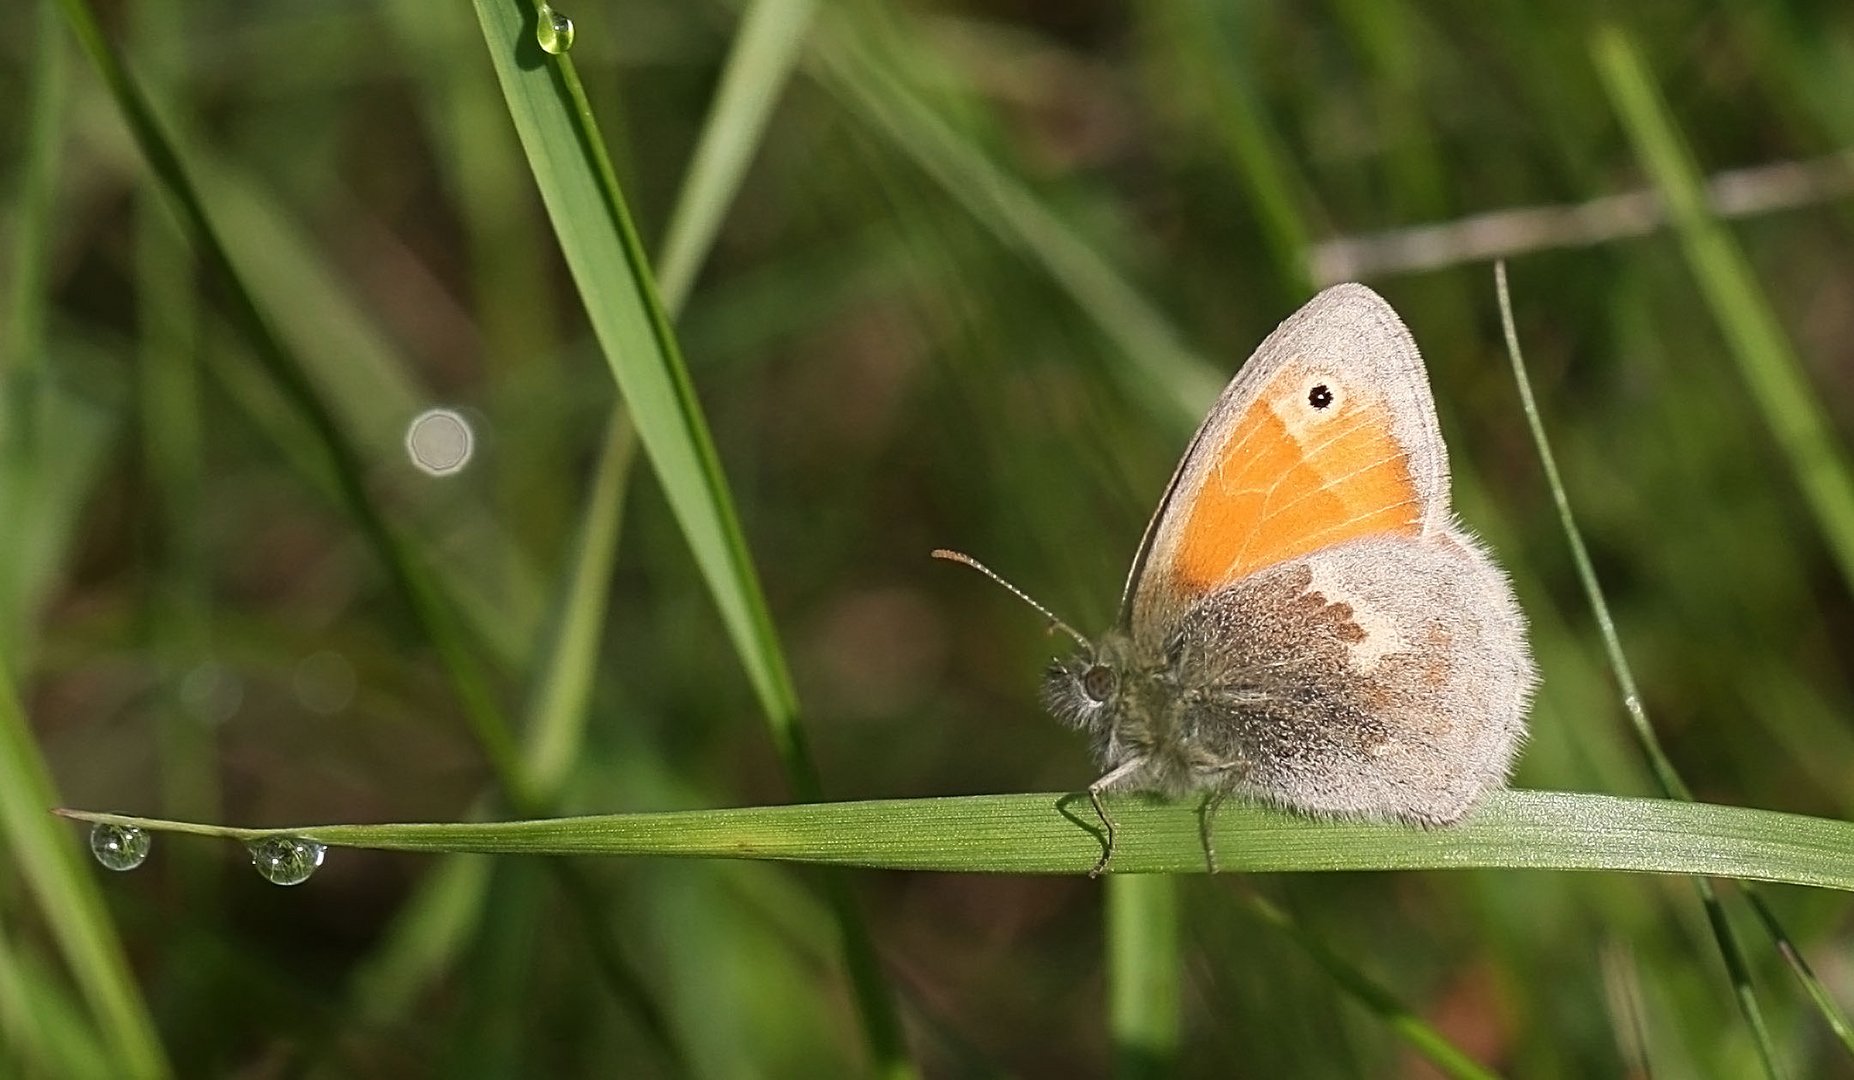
x=1663 y=768
x=44 y=454
x=430 y=929
x=67 y=896
x=1211 y=78
x=1766 y=358
x=765 y=50
x=409 y=576
x=1413 y=1029
x=43 y=1032
x=557 y=718
x=438 y=917
x=593 y=223
x=1055 y=833
x=1142 y=974
x=1162 y=371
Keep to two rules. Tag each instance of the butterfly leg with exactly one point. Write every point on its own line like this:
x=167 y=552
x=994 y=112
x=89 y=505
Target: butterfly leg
x=1117 y=774
x=1207 y=822
x=1107 y=826
x=1216 y=778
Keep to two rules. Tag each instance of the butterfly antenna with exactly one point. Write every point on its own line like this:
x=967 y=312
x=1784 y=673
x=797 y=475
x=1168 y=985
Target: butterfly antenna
x=962 y=557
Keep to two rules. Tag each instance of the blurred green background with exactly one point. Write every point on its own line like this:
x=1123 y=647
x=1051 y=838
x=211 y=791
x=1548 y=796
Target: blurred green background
x=988 y=264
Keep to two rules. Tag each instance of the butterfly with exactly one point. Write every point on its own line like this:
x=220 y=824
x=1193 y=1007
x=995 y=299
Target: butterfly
x=1306 y=624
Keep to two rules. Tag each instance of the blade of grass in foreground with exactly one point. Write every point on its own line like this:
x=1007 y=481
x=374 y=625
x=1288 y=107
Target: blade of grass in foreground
x=593 y=224
x=1055 y=833
x=1663 y=767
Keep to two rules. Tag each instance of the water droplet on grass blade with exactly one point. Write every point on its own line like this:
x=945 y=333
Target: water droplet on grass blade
x=286 y=860
x=553 y=30
x=119 y=847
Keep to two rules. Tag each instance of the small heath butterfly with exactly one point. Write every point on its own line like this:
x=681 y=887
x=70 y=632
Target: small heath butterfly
x=1306 y=623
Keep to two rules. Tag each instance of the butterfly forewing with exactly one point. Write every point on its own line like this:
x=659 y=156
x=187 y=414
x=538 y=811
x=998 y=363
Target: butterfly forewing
x=1327 y=434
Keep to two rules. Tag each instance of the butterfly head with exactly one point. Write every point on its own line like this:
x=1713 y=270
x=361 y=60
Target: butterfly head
x=1084 y=690
x=1106 y=692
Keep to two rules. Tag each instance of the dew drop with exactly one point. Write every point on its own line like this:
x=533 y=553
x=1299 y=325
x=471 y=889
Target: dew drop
x=553 y=30
x=286 y=860
x=119 y=847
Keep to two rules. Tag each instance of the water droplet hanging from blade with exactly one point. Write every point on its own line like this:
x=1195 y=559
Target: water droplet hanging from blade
x=286 y=860
x=553 y=30
x=119 y=847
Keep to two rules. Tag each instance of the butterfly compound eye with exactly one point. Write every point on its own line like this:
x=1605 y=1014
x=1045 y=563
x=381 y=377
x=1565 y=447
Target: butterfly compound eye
x=1098 y=682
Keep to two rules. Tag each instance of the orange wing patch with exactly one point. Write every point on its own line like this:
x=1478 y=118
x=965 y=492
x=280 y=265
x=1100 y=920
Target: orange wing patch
x=1284 y=486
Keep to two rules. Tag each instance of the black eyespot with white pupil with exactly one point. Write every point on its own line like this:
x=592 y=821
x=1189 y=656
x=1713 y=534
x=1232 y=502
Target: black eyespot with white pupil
x=1320 y=397
x=1098 y=682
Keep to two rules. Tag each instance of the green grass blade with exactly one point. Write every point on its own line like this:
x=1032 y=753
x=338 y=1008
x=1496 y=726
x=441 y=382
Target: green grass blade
x=428 y=932
x=22 y=338
x=603 y=252
x=1730 y=950
x=1211 y=76
x=1143 y=931
x=409 y=576
x=1766 y=357
x=42 y=1031
x=1424 y=1038
x=593 y=224
x=1162 y=371
x=68 y=897
x=557 y=715
x=1055 y=833
x=758 y=66
x=47 y=447
x=168 y=396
